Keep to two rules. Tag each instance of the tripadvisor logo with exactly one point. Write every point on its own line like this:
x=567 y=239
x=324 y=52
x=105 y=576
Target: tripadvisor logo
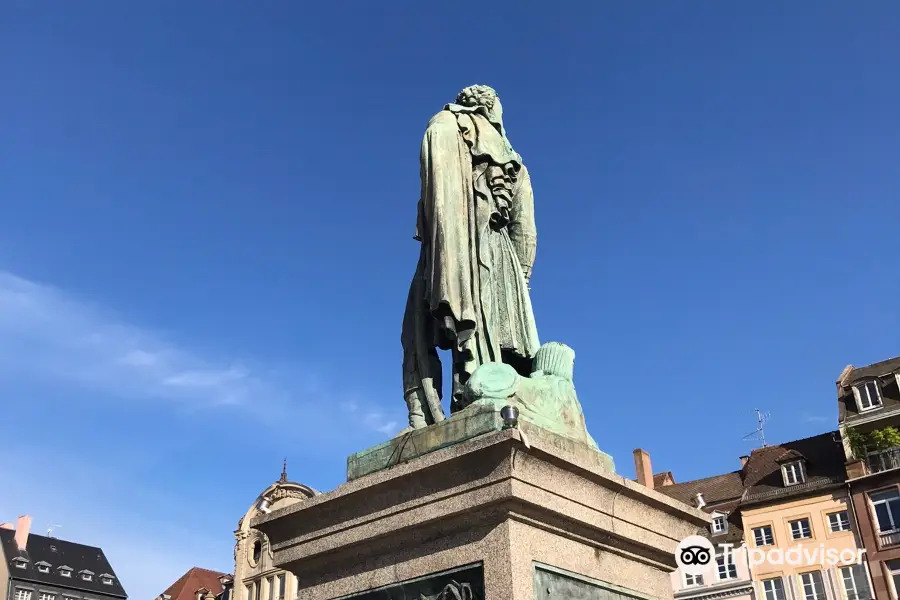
x=695 y=552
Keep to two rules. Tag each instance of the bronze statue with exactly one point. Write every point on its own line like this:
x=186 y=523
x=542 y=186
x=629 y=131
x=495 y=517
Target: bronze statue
x=476 y=227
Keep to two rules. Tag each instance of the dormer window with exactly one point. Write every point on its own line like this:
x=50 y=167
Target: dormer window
x=86 y=575
x=719 y=524
x=106 y=579
x=793 y=472
x=65 y=571
x=868 y=395
x=20 y=562
x=42 y=567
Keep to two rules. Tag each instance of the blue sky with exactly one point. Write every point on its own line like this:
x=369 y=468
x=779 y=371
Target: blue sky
x=207 y=217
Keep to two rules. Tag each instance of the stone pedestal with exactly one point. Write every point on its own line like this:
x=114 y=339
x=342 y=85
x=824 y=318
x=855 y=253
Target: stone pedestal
x=496 y=516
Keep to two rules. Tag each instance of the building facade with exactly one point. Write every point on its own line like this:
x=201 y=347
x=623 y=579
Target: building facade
x=869 y=420
x=796 y=513
x=36 y=567
x=787 y=521
x=728 y=576
x=255 y=576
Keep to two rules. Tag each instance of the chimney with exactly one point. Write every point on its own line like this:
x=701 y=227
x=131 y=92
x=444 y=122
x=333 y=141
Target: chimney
x=642 y=468
x=744 y=460
x=23 y=527
x=701 y=502
x=6 y=526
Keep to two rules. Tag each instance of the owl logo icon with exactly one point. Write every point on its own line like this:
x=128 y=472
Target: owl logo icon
x=693 y=554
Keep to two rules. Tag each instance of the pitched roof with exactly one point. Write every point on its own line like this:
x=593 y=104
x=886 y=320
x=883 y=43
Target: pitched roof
x=722 y=493
x=715 y=489
x=824 y=456
x=735 y=532
x=58 y=553
x=879 y=369
x=186 y=586
x=848 y=411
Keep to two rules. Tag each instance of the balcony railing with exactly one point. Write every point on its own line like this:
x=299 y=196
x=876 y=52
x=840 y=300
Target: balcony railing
x=883 y=460
x=891 y=538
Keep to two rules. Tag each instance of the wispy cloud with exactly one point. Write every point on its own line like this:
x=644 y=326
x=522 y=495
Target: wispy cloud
x=809 y=418
x=373 y=419
x=49 y=333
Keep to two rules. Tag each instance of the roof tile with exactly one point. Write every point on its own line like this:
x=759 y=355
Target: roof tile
x=57 y=553
x=186 y=586
x=824 y=457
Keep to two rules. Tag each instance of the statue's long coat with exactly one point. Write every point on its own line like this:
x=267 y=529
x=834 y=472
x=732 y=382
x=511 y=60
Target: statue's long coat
x=471 y=278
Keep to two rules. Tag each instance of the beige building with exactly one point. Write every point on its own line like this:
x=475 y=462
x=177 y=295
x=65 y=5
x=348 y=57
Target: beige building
x=728 y=575
x=799 y=525
x=255 y=576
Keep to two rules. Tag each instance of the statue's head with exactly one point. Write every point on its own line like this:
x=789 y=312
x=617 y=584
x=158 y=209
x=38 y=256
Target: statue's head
x=482 y=95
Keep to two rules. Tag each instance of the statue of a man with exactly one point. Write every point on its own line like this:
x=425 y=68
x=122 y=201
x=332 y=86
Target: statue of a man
x=476 y=227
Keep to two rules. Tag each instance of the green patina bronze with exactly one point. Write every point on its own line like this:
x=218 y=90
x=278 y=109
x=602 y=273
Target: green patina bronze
x=458 y=428
x=546 y=398
x=477 y=241
x=470 y=295
x=546 y=401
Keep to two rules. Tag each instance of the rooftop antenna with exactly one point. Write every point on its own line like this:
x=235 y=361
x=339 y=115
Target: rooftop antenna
x=760 y=433
x=50 y=530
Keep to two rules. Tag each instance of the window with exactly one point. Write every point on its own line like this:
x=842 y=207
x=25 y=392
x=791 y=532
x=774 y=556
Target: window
x=868 y=395
x=106 y=579
x=257 y=551
x=892 y=565
x=47 y=596
x=65 y=571
x=856 y=584
x=257 y=590
x=800 y=529
x=813 y=587
x=23 y=594
x=43 y=567
x=689 y=580
x=839 y=521
x=719 y=524
x=281 y=582
x=271 y=584
x=773 y=589
x=793 y=472
x=887 y=509
x=249 y=592
x=726 y=567
x=87 y=575
x=20 y=563
x=763 y=535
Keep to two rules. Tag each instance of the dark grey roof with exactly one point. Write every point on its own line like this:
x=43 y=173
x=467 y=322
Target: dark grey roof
x=824 y=456
x=59 y=553
x=848 y=412
x=879 y=369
